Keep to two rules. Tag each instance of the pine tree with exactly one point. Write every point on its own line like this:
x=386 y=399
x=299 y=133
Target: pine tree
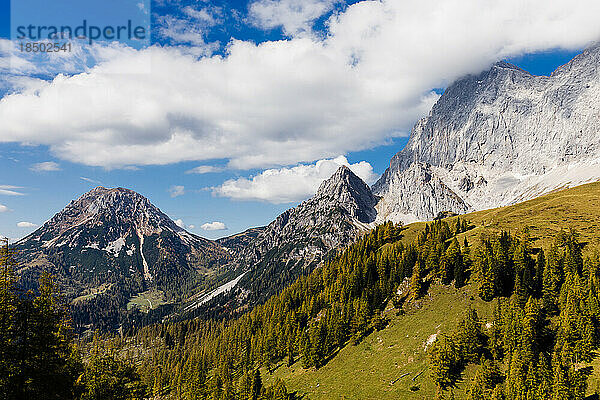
x=416 y=282
x=48 y=361
x=257 y=386
x=552 y=279
x=8 y=307
x=486 y=378
x=485 y=272
x=444 y=362
x=452 y=262
x=540 y=265
x=469 y=337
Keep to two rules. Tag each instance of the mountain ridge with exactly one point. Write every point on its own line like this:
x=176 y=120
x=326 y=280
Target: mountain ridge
x=302 y=237
x=497 y=138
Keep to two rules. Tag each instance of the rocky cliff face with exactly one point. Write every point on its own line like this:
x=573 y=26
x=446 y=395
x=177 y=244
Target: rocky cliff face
x=498 y=138
x=302 y=237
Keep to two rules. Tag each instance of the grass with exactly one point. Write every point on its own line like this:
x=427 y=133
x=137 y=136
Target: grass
x=89 y=294
x=393 y=363
x=577 y=208
x=148 y=300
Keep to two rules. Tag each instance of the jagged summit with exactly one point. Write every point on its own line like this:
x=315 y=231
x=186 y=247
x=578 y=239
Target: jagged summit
x=497 y=138
x=302 y=237
x=342 y=179
x=509 y=66
x=349 y=191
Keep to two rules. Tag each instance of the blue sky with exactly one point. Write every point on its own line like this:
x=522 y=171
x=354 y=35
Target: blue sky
x=237 y=110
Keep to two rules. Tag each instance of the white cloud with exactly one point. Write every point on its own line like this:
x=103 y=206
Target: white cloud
x=291 y=101
x=286 y=185
x=25 y=224
x=204 y=16
x=177 y=190
x=3 y=208
x=204 y=169
x=181 y=31
x=8 y=190
x=214 y=226
x=182 y=225
x=293 y=16
x=47 y=166
x=16 y=65
x=90 y=180
x=191 y=28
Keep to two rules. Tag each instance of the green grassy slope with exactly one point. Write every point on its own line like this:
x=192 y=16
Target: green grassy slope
x=388 y=363
x=577 y=208
x=392 y=363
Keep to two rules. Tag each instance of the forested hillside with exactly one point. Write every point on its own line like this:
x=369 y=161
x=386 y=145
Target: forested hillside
x=455 y=308
x=305 y=327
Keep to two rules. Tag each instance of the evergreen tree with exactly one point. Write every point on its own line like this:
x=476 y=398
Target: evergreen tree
x=105 y=377
x=444 y=362
x=469 y=337
x=452 y=262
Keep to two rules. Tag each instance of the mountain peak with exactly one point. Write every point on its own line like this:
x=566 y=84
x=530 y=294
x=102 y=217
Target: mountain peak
x=343 y=177
x=102 y=191
x=301 y=237
x=116 y=235
x=350 y=192
x=496 y=138
x=509 y=66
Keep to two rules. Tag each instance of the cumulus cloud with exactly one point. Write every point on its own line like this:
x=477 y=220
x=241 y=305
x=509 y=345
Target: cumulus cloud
x=182 y=225
x=214 y=226
x=3 y=208
x=177 y=190
x=47 y=166
x=25 y=224
x=285 y=102
x=293 y=16
x=204 y=169
x=286 y=185
x=8 y=190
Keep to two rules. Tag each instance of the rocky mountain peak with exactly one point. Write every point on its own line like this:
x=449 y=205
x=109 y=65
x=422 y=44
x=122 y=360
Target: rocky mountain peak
x=115 y=223
x=499 y=137
x=347 y=190
x=116 y=238
x=301 y=237
x=112 y=207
